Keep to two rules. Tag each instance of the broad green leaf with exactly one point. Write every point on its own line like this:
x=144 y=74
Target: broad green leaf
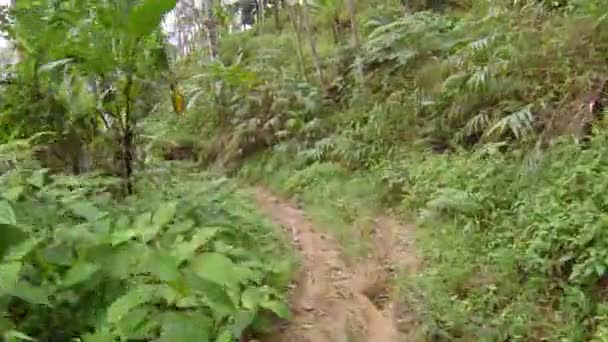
x=164 y=214
x=37 y=178
x=9 y=276
x=250 y=298
x=5 y=324
x=122 y=261
x=143 y=221
x=188 y=302
x=59 y=254
x=148 y=15
x=86 y=210
x=281 y=271
x=216 y=268
x=214 y=296
x=234 y=293
x=181 y=227
x=278 y=307
x=10 y=236
x=132 y=299
x=169 y=293
x=32 y=294
x=80 y=234
x=242 y=320
x=102 y=335
x=136 y=325
x=186 y=327
x=122 y=223
x=7 y=215
x=80 y=272
x=164 y=266
x=145 y=227
x=21 y=250
x=17 y=335
x=121 y=236
x=224 y=336
x=13 y=193
x=187 y=249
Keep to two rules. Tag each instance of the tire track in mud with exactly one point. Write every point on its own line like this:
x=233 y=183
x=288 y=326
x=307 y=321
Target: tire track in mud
x=332 y=302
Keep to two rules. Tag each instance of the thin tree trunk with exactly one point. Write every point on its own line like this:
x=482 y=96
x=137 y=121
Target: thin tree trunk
x=277 y=18
x=334 y=32
x=180 y=44
x=260 y=14
x=211 y=28
x=352 y=11
x=16 y=49
x=293 y=17
x=127 y=141
x=313 y=43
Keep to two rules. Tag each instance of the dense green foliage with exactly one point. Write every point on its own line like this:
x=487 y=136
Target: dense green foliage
x=97 y=241
x=173 y=264
x=457 y=124
x=531 y=232
x=472 y=117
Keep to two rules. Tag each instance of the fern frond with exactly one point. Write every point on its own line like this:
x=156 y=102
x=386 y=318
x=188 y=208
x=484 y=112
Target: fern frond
x=479 y=79
x=518 y=123
x=478 y=123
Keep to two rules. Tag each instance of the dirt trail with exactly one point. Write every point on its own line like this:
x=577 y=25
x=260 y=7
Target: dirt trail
x=332 y=302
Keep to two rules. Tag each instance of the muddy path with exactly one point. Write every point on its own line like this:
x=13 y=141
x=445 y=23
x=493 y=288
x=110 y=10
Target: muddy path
x=335 y=302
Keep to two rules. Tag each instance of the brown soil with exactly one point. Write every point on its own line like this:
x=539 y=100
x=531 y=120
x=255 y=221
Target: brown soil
x=335 y=302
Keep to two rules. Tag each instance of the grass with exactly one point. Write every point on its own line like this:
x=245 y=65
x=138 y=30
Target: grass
x=336 y=200
x=513 y=242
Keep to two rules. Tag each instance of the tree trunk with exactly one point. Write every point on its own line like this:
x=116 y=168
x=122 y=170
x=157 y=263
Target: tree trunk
x=313 y=43
x=260 y=12
x=210 y=23
x=352 y=12
x=335 y=32
x=293 y=17
x=16 y=50
x=127 y=142
x=277 y=18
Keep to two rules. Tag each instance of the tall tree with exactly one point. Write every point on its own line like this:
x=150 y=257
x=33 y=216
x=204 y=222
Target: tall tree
x=295 y=19
x=15 y=47
x=356 y=43
x=116 y=47
x=328 y=11
x=211 y=26
x=312 y=40
x=277 y=15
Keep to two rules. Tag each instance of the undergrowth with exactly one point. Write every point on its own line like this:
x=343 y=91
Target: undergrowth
x=187 y=259
x=516 y=244
x=477 y=124
x=513 y=242
x=338 y=201
x=455 y=121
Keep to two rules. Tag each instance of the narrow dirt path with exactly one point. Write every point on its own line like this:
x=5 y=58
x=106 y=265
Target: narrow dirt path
x=333 y=302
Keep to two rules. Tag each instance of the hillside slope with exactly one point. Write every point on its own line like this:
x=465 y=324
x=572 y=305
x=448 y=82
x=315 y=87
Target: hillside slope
x=477 y=121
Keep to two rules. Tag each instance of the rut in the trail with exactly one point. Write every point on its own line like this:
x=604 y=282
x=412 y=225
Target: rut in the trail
x=332 y=302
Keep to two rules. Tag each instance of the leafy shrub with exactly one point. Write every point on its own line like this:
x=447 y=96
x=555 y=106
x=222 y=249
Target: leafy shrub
x=517 y=245
x=244 y=109
x=186 y=261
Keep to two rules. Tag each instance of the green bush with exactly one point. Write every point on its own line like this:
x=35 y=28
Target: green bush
x=187 y=260
x=517 y=245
